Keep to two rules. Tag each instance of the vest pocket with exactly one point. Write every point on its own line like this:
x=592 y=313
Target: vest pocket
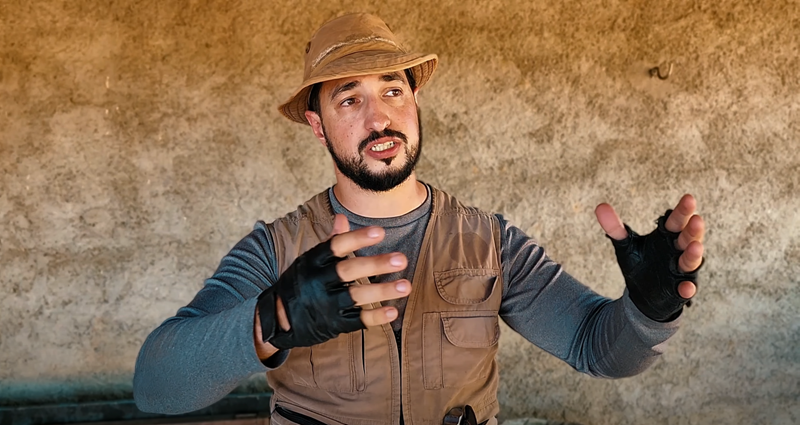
x=291 y=414
x=297 y=417
x=466 y=286
x=298 y=366
x=458 y=347
x=338 y=364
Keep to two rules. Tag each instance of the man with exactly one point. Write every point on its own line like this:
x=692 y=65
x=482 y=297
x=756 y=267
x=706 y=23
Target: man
x=377 y=301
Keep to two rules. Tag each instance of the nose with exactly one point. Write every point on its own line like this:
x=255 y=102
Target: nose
x=377 y=118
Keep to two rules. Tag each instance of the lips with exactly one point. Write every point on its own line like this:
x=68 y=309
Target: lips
x=387 y=153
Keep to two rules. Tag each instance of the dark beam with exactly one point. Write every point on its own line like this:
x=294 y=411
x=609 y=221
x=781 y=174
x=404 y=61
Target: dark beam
x=247 y=408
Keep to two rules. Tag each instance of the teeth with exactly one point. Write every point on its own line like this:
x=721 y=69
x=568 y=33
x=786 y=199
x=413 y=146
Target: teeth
x=382 y=147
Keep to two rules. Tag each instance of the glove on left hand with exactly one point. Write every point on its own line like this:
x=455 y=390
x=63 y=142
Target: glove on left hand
x=650 y=266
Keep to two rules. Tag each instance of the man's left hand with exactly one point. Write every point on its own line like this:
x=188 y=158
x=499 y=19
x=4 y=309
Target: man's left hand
x=682 y=220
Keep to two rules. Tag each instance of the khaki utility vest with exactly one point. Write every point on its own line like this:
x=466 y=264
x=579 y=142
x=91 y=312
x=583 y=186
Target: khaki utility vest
x=449 y=336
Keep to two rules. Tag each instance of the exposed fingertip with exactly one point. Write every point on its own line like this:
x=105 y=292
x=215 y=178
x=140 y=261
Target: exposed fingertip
x=402 y=286
x=396 y=260
x=689 y=202
x=696 y=248
x=391 y=314
x=374 y=232
x=687 y=290
x=697 y=223
x=604 y=209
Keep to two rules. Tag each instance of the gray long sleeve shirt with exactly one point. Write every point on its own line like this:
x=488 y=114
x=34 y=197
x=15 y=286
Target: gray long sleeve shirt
x=202 y=353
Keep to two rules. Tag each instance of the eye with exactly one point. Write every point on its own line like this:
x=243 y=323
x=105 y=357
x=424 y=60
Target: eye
x=394 y=92
x=348 y=102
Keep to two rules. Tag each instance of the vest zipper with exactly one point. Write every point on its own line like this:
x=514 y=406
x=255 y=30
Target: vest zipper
x=398 y=337
x=297 y=417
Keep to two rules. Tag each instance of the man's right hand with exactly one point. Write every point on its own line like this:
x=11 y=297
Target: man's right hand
x=305 y=297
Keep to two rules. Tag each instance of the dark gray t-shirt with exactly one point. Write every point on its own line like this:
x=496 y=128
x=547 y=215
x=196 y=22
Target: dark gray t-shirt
x=403 y=234
x=202 y=353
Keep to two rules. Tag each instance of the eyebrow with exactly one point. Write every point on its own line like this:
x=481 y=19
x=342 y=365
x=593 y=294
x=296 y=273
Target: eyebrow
x=392 y=76
x=344 y=87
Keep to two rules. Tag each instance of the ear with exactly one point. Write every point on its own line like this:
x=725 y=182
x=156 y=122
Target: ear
x=416 y=90
x=316 y=125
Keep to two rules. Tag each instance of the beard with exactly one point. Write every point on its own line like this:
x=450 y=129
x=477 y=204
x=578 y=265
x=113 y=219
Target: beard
x=355 y=168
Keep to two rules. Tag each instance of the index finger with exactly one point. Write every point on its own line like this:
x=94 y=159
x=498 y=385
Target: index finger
x=345 y=243
x=680 y=216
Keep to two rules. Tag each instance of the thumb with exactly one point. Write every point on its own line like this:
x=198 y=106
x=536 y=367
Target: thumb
x=610 y=221
x=340 y=225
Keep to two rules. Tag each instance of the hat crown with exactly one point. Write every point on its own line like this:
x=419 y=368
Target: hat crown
x=346 y=35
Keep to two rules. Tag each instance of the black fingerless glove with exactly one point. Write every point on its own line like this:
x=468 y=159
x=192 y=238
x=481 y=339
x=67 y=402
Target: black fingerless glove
x=318 y=304
x=650 y=266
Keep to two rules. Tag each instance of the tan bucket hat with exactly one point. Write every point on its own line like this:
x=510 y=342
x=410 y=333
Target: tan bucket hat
x=351 y=45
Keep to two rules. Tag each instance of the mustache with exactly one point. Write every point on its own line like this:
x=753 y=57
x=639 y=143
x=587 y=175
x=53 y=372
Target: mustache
x=375 y=135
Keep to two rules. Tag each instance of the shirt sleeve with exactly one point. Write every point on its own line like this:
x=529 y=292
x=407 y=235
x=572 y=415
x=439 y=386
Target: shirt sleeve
x=202 y=353
x=551 y=309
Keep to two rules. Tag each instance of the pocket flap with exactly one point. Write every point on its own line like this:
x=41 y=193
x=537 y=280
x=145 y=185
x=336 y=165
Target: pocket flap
x=465 y=286
x=473 y=331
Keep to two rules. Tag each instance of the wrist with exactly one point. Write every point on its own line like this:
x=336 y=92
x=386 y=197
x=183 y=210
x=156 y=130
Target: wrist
x=264 y=350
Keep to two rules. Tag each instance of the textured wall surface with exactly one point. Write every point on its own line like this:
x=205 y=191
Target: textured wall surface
x=139 y=141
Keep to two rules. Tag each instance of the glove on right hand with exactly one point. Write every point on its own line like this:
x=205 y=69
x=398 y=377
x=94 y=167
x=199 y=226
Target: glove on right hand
x=650 y=266
x=318 y=304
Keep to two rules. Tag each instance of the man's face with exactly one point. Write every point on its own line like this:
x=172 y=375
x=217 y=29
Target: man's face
x=370 y=125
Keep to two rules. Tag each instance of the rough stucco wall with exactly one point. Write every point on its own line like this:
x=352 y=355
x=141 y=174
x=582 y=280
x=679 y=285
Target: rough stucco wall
x=139 y=141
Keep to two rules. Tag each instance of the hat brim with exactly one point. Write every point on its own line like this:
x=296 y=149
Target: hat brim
x=357 y=64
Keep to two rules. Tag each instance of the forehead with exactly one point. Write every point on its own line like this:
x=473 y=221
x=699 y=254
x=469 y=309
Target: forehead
x=348 y=83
